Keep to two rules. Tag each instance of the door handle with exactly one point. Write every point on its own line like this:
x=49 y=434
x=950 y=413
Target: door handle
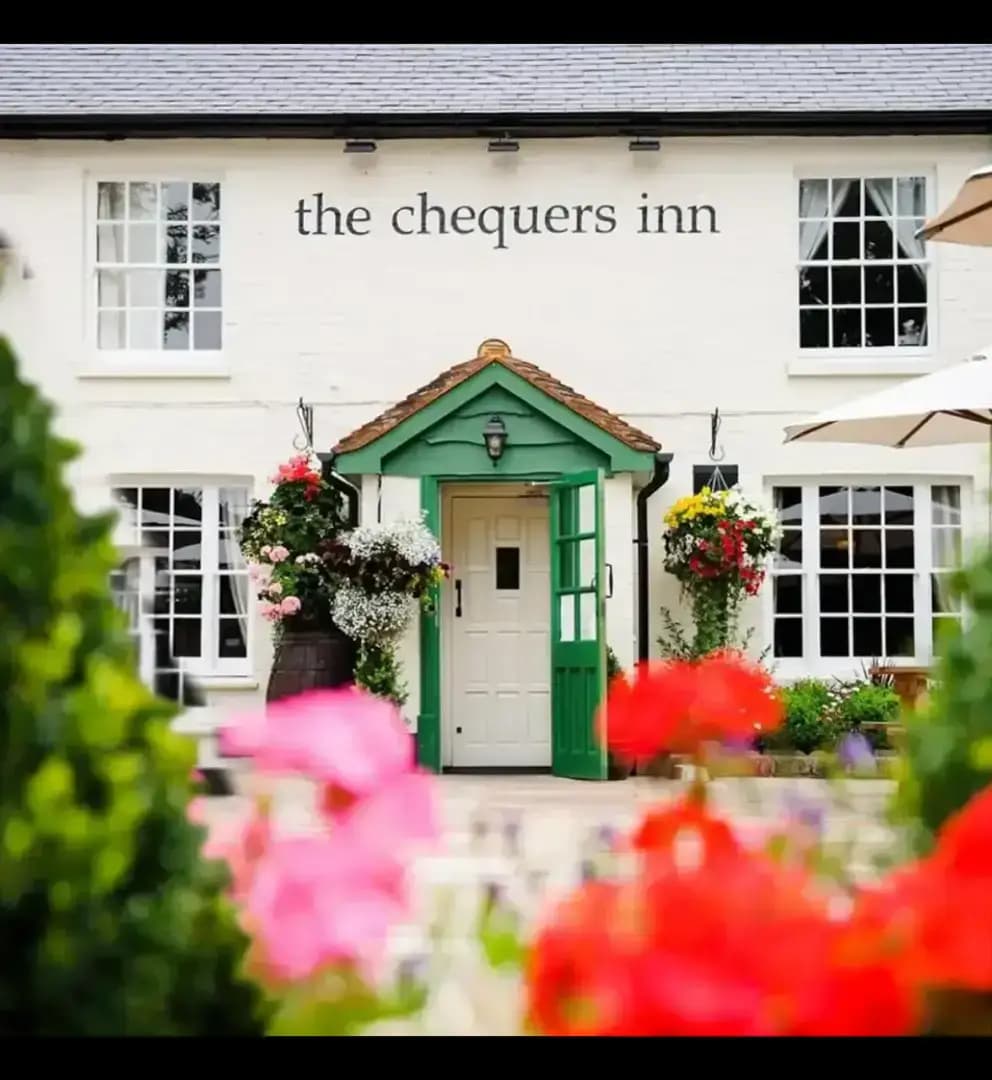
x=609 y=580
x=458 y=598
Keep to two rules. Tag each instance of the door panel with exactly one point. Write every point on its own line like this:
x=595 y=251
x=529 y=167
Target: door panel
x=578 y=609
x=499 y=676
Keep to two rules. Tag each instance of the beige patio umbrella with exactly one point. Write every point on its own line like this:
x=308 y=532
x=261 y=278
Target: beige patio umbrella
x=968 y=220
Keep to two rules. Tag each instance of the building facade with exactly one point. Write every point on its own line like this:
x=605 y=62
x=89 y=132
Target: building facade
x=640 y=276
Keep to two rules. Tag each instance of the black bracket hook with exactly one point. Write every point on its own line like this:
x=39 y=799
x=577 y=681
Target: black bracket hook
x=304 y=413
x=716 y=453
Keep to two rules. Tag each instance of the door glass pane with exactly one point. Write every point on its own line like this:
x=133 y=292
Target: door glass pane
x=567 y=511
x=568 y=564
x=587 y=616
x=587 y=509
x=232 y=644
x=566 y=615
x=508 y=568
x=587 y=564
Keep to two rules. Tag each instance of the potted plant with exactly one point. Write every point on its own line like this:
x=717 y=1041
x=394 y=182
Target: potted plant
x=281 y=539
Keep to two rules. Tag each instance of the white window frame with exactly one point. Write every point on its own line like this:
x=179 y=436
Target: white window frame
x=209 y=666
x=150 y=363
x=812 y=664
x=861 y=360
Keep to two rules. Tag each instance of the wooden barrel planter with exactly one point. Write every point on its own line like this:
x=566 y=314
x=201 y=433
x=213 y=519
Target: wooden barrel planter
x=310 y=660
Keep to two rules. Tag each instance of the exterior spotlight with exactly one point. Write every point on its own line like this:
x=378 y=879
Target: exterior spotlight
x=360 y=146
x=640 y=143
x=503 y=145
x=494 y=436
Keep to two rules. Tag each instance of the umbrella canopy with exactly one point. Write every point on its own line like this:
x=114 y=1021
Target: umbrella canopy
x=968 y=220
x=953 y=405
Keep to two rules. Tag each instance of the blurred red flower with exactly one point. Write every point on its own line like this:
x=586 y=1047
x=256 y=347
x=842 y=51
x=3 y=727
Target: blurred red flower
x=675 y=705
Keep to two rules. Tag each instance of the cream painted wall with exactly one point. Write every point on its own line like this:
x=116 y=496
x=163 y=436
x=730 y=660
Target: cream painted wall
x=661 y=328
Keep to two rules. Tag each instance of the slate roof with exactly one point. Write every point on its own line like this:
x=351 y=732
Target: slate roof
x=225 y=80
x=494 y=351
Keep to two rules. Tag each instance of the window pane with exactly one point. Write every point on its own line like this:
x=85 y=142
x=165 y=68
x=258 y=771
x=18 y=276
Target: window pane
x=790 y=550
x=898 y=593
x=142 y=201
x=141 y=243
x=879 y=284
x=944 y=630
x=899 y=637
x=866 y=506
x=177 y=288
x=867 y=548
x=866 y=594
x=206 y=288
x=813 y=285
x=188 y=506
x=846 y=328
x=814 y=241
x=788 y=589
x=186 y=550
x=847 y=240
x=206 y=330
x=156 y=506
x=111 y=329
x=144 y=329
x=879 y=201
x=947 y=547
x=175 y=201
x=110 y=243
x=899 y=549
x=232 y=644
x=587 y=509
x=233 y=506
x=233 y=589
x=568 y=564
x=878 y=240
x=788 y=637
x=144 y=288
x=587 y=563
x=187 y=594
x=206 y=202
x=228 y=550
x=835 y=553
x=833 y=593
x=834 y=507
x=813 y=198
x=110 y=286
x=566 y=616
x=110 y=201
x=946 y=503
x=508 y=568
x=880 y=328
x=899 y=506
x=846 y=282
x=789 y=504
x=943 y=596
x=846 y=197
x=833 y=637
x=186 y=637
x=206 y=243
x=911 y=200
x=175 y=333
x=587 y=616
x=814 y=329
x=912 y=284
x=868 y=637
x=177 y=244
x=912 y=326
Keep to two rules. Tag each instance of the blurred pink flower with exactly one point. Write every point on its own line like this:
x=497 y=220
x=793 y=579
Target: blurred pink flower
x=386 y=822
x=345 y=737
x=290 y=605
x=196 y=810
x=271 y=612
x=317 y=900
x=240 y=843
x=278 y=554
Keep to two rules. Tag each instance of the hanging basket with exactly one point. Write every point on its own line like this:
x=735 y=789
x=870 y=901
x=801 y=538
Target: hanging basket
x=310 y=659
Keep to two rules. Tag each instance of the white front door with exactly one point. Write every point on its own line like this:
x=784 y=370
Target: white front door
x=500 y=661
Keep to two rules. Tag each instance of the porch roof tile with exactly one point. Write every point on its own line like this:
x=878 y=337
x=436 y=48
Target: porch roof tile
x=494 y=351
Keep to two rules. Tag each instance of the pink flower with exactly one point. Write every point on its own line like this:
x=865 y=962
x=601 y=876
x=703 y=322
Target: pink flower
x=241 y=844
x=270 y=611
x=278 y=554
x=275 y=589
x=196 y=810
x=317 y=900
x=265 y=550
x=345 y=737
x=291 y=605
x=400 y=815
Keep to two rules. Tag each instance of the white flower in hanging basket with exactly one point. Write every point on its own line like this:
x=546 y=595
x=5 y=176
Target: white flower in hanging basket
x=372 y=618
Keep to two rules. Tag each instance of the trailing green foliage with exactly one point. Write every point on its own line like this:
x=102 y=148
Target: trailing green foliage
x=111 y=921
x=380 y=672
x=808 y=724
x=948 y=742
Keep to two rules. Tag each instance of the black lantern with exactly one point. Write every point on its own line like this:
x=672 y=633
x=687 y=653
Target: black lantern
x=494 y=436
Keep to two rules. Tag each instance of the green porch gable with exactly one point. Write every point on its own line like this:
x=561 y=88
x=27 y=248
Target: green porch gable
x=438 y=430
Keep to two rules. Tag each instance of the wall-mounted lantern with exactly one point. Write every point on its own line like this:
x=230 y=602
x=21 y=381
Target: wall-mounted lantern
x=494 y=436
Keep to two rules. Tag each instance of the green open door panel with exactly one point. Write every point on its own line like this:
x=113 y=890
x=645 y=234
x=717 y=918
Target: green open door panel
x=578 y=620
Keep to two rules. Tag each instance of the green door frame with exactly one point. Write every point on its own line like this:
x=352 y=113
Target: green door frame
x=429 y=717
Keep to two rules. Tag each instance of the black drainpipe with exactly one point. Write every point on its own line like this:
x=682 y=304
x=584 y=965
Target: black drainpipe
x=339 y=483
x=662 y=467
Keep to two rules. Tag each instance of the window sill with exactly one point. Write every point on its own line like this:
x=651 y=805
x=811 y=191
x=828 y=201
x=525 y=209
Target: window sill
x=880 y=366
x=225 y=682
x=156 y=366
